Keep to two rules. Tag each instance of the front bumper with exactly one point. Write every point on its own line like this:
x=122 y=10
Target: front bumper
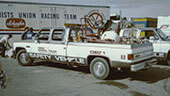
x=143 y=65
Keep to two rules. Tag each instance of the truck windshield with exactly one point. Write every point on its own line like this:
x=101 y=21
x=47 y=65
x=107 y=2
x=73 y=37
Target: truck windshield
x=161 y=34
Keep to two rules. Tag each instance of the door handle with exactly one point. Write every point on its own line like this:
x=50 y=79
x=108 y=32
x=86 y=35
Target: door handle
x=27 y=46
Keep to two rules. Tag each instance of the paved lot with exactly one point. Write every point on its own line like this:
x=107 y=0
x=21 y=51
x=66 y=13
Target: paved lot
x=51 y=79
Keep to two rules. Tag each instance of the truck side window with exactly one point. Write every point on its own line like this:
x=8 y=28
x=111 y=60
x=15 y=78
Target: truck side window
x=58 y=35
x=44 y=34
x=147 y=34
x=80 y=35
x=73 y=36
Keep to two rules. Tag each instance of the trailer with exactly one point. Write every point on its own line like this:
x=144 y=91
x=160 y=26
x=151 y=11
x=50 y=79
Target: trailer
x=164 y=24
x=15 y=16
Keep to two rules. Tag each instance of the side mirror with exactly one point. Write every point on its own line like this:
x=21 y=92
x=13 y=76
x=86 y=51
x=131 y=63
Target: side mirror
x=36 y=38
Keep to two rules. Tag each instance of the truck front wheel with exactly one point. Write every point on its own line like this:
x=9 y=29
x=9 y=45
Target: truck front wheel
x=100 y=68
x=168 y=59
x=23 y=58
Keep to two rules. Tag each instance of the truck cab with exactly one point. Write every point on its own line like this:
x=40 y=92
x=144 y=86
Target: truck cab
x=160 y=41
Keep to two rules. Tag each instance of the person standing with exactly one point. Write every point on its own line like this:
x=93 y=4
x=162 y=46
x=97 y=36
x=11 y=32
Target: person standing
x=4 y=44
x=5 y=40
x=29 y=34
x=25 y=31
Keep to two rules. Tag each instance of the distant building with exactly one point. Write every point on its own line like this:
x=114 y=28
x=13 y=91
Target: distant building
x=144 y=22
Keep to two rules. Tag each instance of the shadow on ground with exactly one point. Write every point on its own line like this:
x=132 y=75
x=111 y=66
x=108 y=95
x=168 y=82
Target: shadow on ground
x=150 y=75
x=113 y=83
x=62 y=66
x=162 y=62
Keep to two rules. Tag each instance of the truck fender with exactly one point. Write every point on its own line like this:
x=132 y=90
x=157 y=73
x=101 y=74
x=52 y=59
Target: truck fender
x=168 y=58
x=91 y=57
x=168 y=55
x=17 y=49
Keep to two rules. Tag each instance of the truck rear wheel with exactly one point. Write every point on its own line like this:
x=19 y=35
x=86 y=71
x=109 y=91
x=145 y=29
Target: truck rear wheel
x=168 y=59
x=168 y=62
x=23 y=58
x=100 y=68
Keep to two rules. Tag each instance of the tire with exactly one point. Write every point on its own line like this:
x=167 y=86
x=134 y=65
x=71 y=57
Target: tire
x=168 y=59
x=168 y=62
x=100 y=68
x=23 y=58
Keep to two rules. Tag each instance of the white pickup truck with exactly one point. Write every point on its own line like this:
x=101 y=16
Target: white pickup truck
x=70 y=46
x=160 y=41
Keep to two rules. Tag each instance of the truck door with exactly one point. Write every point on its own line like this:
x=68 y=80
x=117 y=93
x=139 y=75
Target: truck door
x=162 y=45
x=77 y=50
x=41 y=45
x=39 y=49
x=57 y=45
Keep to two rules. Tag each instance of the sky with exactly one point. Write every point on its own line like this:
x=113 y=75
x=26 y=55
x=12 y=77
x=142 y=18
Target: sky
x=128 y=8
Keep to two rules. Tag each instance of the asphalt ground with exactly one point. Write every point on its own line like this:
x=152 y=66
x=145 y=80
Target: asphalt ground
x=52 y=79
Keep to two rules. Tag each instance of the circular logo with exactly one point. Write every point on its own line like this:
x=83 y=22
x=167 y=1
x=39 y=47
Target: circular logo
x=95 y=20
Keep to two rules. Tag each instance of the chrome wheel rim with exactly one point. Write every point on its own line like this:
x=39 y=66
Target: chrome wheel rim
x=99 y=69
x=168 y=62
x=24 y=58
